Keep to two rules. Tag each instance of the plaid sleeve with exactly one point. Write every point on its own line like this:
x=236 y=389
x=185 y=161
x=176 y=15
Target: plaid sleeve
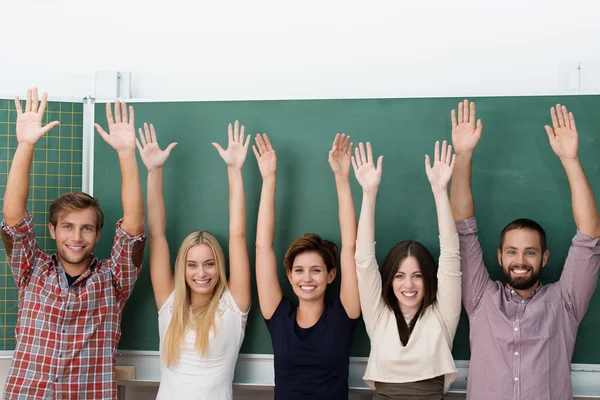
x=21 y=249
x=126 y=260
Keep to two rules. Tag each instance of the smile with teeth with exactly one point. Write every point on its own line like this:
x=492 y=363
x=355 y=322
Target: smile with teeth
x=308 y=288
x=409 y=294
x=520 y=271
x=201 y=282
x=75 y=248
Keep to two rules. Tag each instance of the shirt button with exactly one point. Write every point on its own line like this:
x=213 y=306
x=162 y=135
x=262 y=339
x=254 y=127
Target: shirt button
x=516 y=329
x=60 y=355
x=64 y=330
x=57 y=379
x=516 y=353
x=516 y=378
x=512 y=292
x=522 y=301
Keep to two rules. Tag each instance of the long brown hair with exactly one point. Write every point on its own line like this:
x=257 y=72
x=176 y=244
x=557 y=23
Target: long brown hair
x=398 y=253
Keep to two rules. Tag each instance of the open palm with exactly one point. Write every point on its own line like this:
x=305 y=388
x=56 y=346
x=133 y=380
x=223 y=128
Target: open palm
x=443 y=164
x=121 y=128
x=29 y=123
x=265 y=156
x=367 y=174
x=152 y=156
x=236 y=152
x=340 y=155
x=465 y=131
x=563 y=138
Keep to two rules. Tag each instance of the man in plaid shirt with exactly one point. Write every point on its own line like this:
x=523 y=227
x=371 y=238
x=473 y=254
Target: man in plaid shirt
x=70 y=303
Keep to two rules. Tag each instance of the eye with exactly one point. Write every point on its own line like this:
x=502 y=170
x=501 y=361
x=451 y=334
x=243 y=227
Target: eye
x=210 y=264
x=191 y=265
x=531 y=253
x=316 y=270
x=87 y=228
x=399 y=276
x=511 y=252
x=418 y=276
x=66 y=226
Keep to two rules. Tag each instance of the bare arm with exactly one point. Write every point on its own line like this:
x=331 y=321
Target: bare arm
x=465 y=135
x=564 y=141
x=239 y=263
x=29 y=131
x=269 y=289
x=339 y=160
x=154 y=159
x=122 y=139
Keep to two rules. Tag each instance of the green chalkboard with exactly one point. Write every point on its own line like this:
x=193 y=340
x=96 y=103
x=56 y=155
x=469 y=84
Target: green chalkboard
x=515 y=174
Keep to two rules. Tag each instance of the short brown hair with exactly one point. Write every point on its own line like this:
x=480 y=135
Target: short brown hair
x=74 y=201
x=398 y=253
x=524 y=223
x=312 y=242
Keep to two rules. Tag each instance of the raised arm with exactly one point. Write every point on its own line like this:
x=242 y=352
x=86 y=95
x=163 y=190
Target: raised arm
x=465 y=135
x=269 y=289
x=122 y=139
x=449 y=276
x=29 y=131
x=339 y=160
x=239 y=264
x=369 y=280
x=564 y=141
x=154 y=159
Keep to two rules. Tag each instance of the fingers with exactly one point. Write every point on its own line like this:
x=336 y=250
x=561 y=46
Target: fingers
x=363 y=155
x=125 y=120
x=28 y=101
x=260 y=144
x=479 y=126
x=49 y=126
x=565 y=115
x=561 y=120
x=466 y=111
x=554 y=118
x=380 y=163
x=460 y=112
x=34 y=100
x=216 y=146
x=147 y=133
x=138 y=144
x=109 y=115
x=229 y=133
x=427 y=164
x=345 y=141
x=18 y=106
x=550 y=132
x=472 y=112
x=241 y=136
x=449 y=154
x=171 y=147
x=247 y=142
x=349 y=151
x=354 y=165
x=131 y=115
x=255 y=152
x=572 y=121
x=142 y=137
x=369 y=152
x=236 y=132
x=153 y=134
x=102 y=133
x=336 y=140
x=436 y=151
x=42 y=107
x=453 y=118
x=444 y=151
x=267 y=142
x=453 y=162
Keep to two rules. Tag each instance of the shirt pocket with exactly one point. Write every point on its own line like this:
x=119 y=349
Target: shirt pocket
x=541 y=319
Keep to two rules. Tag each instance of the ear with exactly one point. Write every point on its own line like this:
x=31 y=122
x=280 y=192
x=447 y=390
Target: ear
x=52 y=230
x=499 y=256
x=289 y=275
x=98 y=235
x=331 y=275
x=545 y=257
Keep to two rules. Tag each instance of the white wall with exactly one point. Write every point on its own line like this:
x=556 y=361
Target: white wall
x=263 y=49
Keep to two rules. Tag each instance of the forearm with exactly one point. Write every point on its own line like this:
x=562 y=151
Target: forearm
x=446 y=224
x=585 y=209
x=157 y=219
x=346 y=211
x=265 y=230
x=366 y=224
x=461 y=195
x=237 y=203
x=17 y=185
x=131 y=194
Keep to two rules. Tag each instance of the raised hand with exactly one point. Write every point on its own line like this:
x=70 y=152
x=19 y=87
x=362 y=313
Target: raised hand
x=29 y=123
x=465 y=131
x=443 y=165
x=563 y=138
x=367 y=174
x=152 y=156
x=121 y=128
x=340 y=155
x=236 y=152
x=265 y=156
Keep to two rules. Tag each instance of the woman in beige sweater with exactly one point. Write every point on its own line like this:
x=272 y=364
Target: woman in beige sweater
x=410 y=314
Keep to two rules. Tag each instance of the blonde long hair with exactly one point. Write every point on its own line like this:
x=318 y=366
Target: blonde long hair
x=201 y=319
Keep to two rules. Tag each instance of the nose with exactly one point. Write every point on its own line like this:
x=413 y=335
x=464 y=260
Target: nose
x=409 y=283
x=520 y=258
x=78 y=234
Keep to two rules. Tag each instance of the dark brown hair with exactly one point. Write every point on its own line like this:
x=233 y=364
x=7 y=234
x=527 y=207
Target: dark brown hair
x=524 y=223
x=398 y=253
x=74 y=201
x=312 y=242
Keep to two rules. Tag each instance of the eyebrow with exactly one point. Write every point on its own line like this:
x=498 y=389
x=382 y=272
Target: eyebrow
x=526 y=248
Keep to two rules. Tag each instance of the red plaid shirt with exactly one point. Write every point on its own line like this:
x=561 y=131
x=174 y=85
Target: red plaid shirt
x=67 y=336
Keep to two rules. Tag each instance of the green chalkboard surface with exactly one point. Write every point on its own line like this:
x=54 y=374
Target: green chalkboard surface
x=515 y=174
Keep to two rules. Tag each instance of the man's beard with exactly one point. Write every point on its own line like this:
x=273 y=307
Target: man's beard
x=524 y=282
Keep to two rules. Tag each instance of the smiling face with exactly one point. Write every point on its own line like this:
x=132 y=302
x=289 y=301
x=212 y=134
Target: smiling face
x=309 y=276
x=408 y=285
x=76 y=235
x=201 y=271
x=522 y=258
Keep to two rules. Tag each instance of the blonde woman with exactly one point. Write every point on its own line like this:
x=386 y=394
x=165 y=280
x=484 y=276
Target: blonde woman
x=202 y=316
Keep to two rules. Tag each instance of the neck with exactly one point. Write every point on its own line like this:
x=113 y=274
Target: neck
x=525 y=293
x=310 y=311
x=409 y=312
x=200 y=300
x=74 y=269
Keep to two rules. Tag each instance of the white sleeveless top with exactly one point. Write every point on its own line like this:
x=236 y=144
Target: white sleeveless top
x=208 y=377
